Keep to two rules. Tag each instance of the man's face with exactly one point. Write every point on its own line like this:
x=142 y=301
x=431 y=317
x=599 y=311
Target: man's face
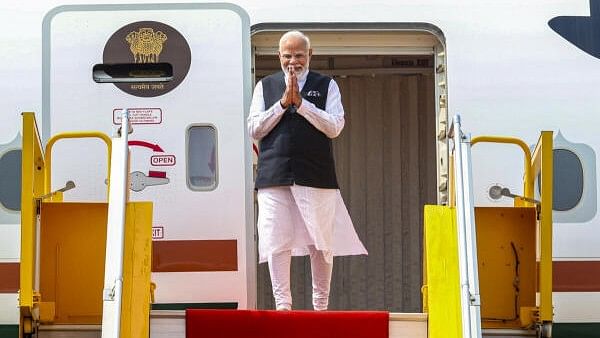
x=293 y=52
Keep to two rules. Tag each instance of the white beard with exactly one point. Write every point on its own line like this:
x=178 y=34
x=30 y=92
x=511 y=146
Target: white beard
x=300 y=75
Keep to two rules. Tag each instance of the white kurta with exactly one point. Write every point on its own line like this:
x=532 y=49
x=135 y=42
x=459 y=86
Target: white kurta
x=294 y=217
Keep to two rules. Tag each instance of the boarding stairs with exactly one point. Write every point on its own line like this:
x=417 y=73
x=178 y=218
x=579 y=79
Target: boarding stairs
x=172 y=323
x=462 y=295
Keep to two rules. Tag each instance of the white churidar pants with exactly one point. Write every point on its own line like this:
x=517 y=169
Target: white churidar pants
x=298 y=221
x=279 y=269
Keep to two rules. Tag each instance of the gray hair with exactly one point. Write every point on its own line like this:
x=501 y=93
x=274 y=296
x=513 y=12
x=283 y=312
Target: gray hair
x=294 y=34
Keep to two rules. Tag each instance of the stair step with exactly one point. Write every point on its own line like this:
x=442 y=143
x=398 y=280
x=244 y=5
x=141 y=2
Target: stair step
x=409 y=325
x=507 y=333
x=70 y=331
x=171 y=324
x=167 y=323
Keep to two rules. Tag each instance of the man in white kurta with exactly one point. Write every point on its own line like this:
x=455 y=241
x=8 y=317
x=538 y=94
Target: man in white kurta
x=296 y=219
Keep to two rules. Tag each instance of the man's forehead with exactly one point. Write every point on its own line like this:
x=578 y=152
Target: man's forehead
x=294 y=43
x=293 y=51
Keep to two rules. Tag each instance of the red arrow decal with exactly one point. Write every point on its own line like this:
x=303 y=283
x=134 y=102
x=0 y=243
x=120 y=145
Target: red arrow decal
x=154 y=147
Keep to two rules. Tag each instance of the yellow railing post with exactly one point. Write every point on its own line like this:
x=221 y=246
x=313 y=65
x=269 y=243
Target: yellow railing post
x=79 y=134
x=32 y=185
x=542 y=163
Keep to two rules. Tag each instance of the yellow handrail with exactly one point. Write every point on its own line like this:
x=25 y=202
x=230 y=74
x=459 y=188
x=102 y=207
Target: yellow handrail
x=528 y=176
x=77 y=134
x=542 y=163
x=36 y=174
x=32 y=185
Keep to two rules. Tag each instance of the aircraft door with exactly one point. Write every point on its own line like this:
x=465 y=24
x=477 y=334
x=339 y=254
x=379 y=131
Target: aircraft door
x=183 y=71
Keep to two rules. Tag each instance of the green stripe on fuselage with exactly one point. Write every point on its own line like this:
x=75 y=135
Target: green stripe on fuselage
x=9 y=331
x=183 y=306
x=576 y=330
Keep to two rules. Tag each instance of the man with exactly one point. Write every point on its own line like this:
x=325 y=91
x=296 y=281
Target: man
x=295 y=113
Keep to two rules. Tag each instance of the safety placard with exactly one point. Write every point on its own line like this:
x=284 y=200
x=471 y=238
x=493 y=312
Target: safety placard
x=139 y=115
x=162 y=160
x=158 y=232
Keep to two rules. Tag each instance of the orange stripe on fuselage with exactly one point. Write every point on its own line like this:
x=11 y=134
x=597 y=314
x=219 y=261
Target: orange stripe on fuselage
x=9 y=277
x=167 y=256
x=221 y=255
x=576 y=276
x=194 y=255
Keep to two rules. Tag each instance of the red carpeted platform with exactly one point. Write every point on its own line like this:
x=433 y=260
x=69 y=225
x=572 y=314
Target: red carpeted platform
x=286 y=324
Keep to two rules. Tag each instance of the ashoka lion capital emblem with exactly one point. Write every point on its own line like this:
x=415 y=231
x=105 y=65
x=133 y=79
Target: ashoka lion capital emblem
x=146 y=44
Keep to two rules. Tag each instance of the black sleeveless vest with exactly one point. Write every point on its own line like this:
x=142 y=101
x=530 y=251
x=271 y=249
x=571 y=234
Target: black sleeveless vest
x=295 y=151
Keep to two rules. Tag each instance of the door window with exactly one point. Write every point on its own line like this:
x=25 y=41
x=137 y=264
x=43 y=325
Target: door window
x=202 y=157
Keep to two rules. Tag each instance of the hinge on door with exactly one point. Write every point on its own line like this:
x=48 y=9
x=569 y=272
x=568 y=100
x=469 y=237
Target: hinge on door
x=443 y=101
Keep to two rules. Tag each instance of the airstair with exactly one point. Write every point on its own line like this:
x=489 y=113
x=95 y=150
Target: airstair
x=488 y=270
x=85 y=266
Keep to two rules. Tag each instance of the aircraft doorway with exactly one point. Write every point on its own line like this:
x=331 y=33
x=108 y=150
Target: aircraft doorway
x=386 y=162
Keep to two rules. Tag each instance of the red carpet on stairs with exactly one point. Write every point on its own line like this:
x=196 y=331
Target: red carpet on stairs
x=286 y=324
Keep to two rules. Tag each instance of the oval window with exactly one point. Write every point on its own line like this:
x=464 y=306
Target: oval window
x=568 y=180
x=10 y=180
